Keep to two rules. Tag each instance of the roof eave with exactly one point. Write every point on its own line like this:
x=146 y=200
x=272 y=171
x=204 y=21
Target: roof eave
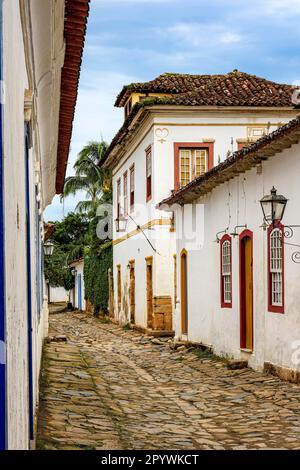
x=76 y=16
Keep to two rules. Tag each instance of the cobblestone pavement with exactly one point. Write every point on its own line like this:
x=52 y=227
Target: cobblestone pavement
x=107 y=388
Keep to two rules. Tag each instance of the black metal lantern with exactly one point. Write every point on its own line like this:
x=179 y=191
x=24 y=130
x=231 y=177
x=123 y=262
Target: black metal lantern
x=48 y=248
x=273 y=206
x=121 y=224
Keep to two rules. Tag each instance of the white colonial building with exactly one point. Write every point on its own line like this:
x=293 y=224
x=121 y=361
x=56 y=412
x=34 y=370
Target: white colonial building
x=238 y=277
x=41 y=46
x=177 y=127
x=77 y=296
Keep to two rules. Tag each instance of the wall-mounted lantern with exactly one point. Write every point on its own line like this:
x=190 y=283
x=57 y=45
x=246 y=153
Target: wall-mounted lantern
x=48 y=248
x=273 y=206
x=121 y=224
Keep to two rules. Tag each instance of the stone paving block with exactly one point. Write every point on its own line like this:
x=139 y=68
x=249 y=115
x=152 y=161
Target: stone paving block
x=105 y=388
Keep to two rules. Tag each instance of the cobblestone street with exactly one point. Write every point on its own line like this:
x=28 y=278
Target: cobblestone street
x=108 y=388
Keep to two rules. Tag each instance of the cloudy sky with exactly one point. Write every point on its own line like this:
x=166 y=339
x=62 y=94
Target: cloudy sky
x=136 y=40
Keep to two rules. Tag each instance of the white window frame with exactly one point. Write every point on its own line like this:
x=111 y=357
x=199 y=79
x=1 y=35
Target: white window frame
x=192 y=155
x=226 y=272
x=276 y=267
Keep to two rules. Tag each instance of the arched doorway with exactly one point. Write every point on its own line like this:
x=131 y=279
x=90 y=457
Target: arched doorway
x=184 y=292
x=246 y=290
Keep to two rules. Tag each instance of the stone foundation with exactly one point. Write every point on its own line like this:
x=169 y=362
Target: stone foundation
x=290 y=375
x=162 y=313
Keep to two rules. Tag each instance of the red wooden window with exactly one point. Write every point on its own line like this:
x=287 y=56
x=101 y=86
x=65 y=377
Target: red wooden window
x=132 y=187
x=118 y=198
x=191 y=160
x=125 y=192
x=148 y=174
x=276 y=268
x=226 y=272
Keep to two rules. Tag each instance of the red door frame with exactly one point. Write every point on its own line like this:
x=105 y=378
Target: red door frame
x=209 y=146
x=243 y=235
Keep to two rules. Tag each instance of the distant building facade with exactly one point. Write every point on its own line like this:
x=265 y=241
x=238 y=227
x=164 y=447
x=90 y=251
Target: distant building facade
x=78 y=292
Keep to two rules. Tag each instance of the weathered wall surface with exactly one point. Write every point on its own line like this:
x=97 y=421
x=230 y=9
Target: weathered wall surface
x=16 y=63
x=15 y=229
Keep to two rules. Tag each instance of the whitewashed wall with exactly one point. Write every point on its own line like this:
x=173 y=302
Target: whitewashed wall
x=161 y=132
x=237 y=203
x=15 y=247
x=79 y=267
x=58 y=294
x=18 y=77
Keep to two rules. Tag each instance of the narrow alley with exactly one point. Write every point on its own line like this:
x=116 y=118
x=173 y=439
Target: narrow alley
x=105 y=387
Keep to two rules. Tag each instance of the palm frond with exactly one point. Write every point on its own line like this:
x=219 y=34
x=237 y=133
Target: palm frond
x=86 y=207
x=73 y=184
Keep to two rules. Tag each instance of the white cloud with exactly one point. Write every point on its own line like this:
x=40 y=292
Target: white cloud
x=95 y=116
x=280 y=7
x=208 y=35
x=230 y=38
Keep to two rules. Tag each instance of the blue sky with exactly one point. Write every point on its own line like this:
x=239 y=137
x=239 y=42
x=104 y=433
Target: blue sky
x=136 y=40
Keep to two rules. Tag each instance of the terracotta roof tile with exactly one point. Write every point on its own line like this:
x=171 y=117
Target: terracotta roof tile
x=232 y=89
x=76 y=15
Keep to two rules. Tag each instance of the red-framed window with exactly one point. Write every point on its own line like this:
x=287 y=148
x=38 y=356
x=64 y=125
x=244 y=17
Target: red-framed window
x=118 y=198
x=125 y=193
x=276 y=268
x=148 y=174
x=226 y=271
x=132 y=187
x=191 y=160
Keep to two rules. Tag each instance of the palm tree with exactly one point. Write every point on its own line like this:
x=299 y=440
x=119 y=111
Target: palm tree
x=90 y=178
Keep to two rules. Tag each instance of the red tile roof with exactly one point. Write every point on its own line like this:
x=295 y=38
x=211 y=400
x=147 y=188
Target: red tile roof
x=76 y=15
x=242 y=160
x=232 y=89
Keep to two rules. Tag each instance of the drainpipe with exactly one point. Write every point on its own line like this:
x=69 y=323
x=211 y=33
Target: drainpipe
x=3 y=433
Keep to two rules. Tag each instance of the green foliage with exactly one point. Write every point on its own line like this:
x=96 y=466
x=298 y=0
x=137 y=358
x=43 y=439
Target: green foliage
x=76 y=236
x=57 y=272
x=90 y=178
x=96 y=267
x=69 y=238
x=70 y=235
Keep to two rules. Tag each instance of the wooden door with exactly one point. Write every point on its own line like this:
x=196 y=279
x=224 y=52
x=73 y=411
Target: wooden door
x=246 y=290
x=132 y=293
x=149 y=292
x=184 y=293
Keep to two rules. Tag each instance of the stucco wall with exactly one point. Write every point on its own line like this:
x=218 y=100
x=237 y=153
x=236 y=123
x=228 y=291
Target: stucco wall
x=161 y=132
x=58 y=294
x=16 y=81
x=237 y=203
x=79 y=270
x=15 y=229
